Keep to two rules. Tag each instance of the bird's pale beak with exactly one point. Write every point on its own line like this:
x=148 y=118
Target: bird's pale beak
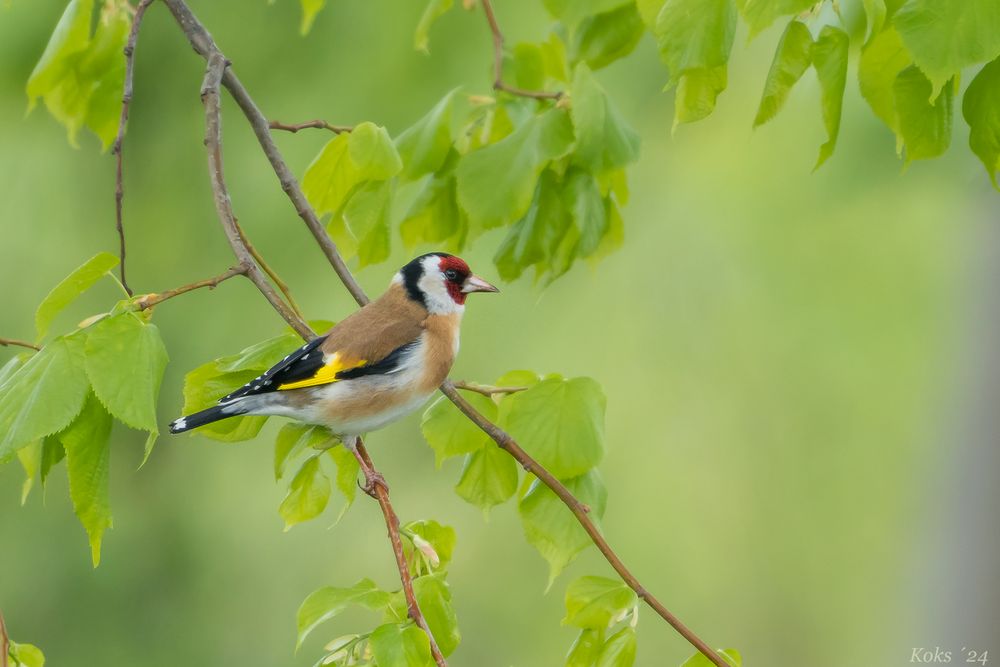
x=476 y=284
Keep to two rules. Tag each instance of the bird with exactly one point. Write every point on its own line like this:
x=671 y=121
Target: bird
x=372 y=368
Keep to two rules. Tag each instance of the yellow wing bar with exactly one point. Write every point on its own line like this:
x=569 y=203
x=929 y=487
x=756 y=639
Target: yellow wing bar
x=326 y=374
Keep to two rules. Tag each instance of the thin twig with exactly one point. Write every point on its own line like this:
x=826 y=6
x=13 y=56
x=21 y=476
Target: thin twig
x=282 y=285
x=498 y=82
x=375 y=486
x=116 y=148
x=213 y=143
x=150 y=300
x=487 y=390
x=20 y=343
x=4 y=642
x=315 y=124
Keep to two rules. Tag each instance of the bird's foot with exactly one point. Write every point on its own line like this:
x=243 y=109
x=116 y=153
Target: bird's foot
x=372 y=480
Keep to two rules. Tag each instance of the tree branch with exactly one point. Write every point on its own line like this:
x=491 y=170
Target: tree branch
x=498 y=82
x=376 y=487
x=116 y=148
x=282 y=285
x=317 y=124
x=20 y=343
x=150 y=300
x=4 y=642
x=217 y=65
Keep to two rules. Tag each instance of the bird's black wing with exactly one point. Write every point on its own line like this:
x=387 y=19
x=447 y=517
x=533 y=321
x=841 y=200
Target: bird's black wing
x=301 y=364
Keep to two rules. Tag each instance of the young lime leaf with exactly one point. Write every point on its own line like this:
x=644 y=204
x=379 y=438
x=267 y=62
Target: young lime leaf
x=496 y=183
x=310 y=8
x=262 y=355
x=944 y=37
x=104 y=68
x=489 y=477
x=924 y=125
x=72 y=286
x=126 y=359
x=759 y=14
x=88 y=458
x=829 y=57
x=440 y=538
x=325 y=603
x=730 y=655
x=559 y=422
x=554 y=55
x=347 y=475
x=602 y=39
x=205 y=385
x=367 y=218
x=551 y=528
x=586 y=208
x=52 y=453
x=25 y=655
x=619 y=650
x=791 y=59
x=434 y=215
x=882 y=59
x=424 y=146
x=586 y=648
x=571 y=12
x=875 y=14
x=449 y=433
x=981 y=108
x=400 y=645
x=597 y=602
x=307 y=495
x=603 y=139
x=293 y=439
x=519 y=378
x=44 y=395
x=533 y=240
x=434 y=599
x=434 y=10
x=330 y=177
x=31 y=460
x=373 y=153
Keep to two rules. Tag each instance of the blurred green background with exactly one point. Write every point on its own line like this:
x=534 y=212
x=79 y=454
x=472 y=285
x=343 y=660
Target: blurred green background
x=800 y=368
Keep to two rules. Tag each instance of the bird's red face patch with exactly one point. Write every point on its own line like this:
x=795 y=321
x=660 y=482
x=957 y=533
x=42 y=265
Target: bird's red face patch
x=455 y=271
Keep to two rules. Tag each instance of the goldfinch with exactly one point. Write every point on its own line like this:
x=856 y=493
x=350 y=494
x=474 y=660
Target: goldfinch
x=379 y=364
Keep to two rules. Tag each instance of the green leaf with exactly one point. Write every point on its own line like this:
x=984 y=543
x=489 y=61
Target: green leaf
x=533 y=240
x=619 y=650
x=551 y=528
x=526 y=63
x=373 y=153
x=26 y=655
x=43 y=396
x=400 y=645
x=597 y=602
x=944 y=37
x=602 y=39
x=72 y=286
x=829 y=56
x=730 y=655
x=924 y=126
x=440 y=538
x=293 y=439
x=261 y=356
x=434 y=599
x=560 y=423
x=434 y=215
x=52 y=453
x=603 y=139
x=759 y=14
x=310 y=8
x=981 y=108
x=88 y=458
x=205 y=385
x=330 y=177
x=496 y=183
x=327 y=602
x=31 y=460
x=307 y=495
x=434 y=10
x=571 y=12
x=518 y=378
x=882 y=59
x=126 y=359
x=875 y=14
x=450 y=433
x=489 y=478
x=347 y=475
x=366 y=216
x=586 y=648
x=587 y=211
x=695 y=38
x=791 y=60
x=424 y=146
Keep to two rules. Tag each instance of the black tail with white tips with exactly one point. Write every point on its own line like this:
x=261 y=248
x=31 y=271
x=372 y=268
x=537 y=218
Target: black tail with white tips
x=209 y=415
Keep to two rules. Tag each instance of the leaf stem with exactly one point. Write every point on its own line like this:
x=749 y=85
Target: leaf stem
x=150 y=300
x=485 y=389
x=498 y=82
x=20 y=343
x=316 y=124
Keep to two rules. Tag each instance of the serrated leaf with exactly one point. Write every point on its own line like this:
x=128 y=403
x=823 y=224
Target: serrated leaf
x=52 y=453
x=434 y=599
x=293 y=439
x=367 y=218
x=88 y=456
x=43 y=396
x=533 y=240
x=551 y=528
x=924 y=126
x=882 y=59
x=730 y=655
x=308 y=494
x=525 y=63
x=434 y=215
x=347 y=475
x=489 y=477
x=126 y=359
x=434 y=10
x=310 y=8
x=496 y=183
x=400 y=645
x=586 y=648
x=597 y=602
x=759 y=14
x=373 y=153
x=829 y=57
x=981 y=108
x=560 y=423
x=261 y=356
x=603 y=139
x=571 y=12
x=26 y=655
x=440 y=538
x=327 y=602
x=518 y=378
x=424 y=146
x=791 y=60
x=587 y=211
x=875 y=15
x=31 y=461
x=71 y=287
x=205 y=385
x=944 y=37
x=450 y=433
x=330 y=177
x=619 y=649
x=602 y=39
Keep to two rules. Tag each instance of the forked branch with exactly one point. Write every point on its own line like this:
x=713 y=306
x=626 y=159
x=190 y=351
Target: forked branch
x=150 y=300
x=498 y=82
x=314 y=124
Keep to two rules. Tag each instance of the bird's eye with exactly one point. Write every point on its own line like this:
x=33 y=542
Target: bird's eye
x=451 y=274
